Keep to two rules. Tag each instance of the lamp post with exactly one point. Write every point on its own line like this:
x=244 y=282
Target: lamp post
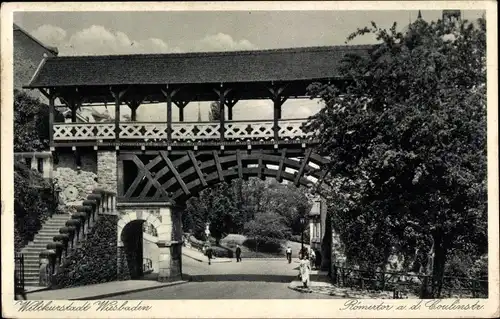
x=302 y=223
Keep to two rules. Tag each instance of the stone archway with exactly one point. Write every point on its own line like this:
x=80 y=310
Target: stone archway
x=139 y=248
x=164 y=249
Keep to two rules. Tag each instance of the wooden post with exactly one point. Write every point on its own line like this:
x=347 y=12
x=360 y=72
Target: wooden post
x=222 y=99
x=51 y=119
x=118 y=95
x=119 y=177
x=278 y=98
x=73 y=111
x=133 y=109
x=169 y=94
x=169 y=117
x=222 y=116
x=117 y=119
x=275 y=119
x=181 y=114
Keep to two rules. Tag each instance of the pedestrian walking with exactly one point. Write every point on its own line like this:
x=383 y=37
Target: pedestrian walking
x=289 y=254
x=209 y=254
x=305 y=271
x=238 y=253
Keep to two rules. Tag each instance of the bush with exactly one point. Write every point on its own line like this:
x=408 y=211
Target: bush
x=222 y=252
x=263 y=245
x=31 y=207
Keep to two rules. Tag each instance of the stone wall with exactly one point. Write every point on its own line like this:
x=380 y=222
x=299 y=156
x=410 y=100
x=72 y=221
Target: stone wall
x=106 y=170
x=96 y=260
x=75 y=182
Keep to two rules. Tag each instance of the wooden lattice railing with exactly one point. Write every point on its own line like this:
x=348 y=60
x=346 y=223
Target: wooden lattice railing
x=181 y=131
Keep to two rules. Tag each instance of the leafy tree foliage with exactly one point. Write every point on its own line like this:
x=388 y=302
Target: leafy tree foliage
x=214 y=113
x=242 y=206
x=407 y=137
x=31 y=207
x=31 y=123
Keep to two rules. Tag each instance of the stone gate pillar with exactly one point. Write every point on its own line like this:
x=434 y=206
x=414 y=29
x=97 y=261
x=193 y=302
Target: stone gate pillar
x=170 y=243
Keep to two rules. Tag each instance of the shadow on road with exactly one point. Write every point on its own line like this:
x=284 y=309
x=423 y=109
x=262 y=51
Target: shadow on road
x=241 y=277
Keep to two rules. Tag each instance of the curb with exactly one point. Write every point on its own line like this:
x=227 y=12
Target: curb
x=214 y=260
x=117 y=293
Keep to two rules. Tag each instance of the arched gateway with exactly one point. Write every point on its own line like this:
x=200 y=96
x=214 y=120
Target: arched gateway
x=154 y=167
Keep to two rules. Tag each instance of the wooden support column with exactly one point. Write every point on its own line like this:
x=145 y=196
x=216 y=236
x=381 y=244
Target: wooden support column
x=230 y=103
x=51 y=119
x=169 y=94
x=222 y=99
x=278 y=98
x=181 y=105
x=118 y=96
x=51 y=97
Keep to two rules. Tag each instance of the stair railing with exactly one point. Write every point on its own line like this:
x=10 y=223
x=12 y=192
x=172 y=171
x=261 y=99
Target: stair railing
x=73 y=233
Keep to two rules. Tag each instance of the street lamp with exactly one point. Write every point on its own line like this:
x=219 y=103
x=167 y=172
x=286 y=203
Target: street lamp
x=302 y=224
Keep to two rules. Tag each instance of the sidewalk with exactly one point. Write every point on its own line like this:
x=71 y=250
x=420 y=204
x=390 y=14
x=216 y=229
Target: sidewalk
x=321 y=284
x=198 y=256
x=99 y=291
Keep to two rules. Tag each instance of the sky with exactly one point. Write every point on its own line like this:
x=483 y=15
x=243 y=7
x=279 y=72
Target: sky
x=103 y=33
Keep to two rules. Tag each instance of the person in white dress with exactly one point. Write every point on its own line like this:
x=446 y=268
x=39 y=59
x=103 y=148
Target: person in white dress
x=305 y=271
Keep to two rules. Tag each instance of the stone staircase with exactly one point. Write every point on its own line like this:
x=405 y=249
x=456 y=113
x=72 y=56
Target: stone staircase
x=32 y=251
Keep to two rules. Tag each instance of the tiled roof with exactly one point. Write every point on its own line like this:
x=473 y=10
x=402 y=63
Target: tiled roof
x=53 y=50
x=190 y=68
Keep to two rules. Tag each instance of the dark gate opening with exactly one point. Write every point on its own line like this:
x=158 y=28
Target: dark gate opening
x=132 y=240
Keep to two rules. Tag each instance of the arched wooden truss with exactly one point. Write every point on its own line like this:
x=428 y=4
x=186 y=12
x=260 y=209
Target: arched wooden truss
x=160 y=176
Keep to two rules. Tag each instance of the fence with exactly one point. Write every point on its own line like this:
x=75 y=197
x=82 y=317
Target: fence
x=404 y=284
x=19 y=272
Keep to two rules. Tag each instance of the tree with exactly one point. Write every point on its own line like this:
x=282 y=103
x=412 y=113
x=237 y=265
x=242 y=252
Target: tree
x=407 y=137
x=31 y=123
x=267 y=227
x=214 y=113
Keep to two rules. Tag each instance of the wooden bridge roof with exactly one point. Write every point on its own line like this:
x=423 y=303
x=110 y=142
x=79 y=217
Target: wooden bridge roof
x=278 y=65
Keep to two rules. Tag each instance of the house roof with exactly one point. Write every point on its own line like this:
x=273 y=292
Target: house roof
x=296 y=64
x=53 y=50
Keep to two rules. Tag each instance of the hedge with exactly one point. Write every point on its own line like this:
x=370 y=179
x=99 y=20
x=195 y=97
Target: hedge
x=95 y=261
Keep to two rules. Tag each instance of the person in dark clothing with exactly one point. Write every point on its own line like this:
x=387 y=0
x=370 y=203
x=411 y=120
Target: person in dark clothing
x=209 y=254
x=238 y=253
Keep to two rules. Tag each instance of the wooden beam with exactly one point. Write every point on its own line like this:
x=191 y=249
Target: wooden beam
x=240 y=165
x=51 y=119
x=305 y=160
x=147 y=174
x=320 y=181
x=175 y=172
x=118 y=95
x=279 y=173
x=261 y=168
x=219 y=167
x=230 y=103
x=157 y=177
x=169 y=94
x=181 y=104
x=222 y=99
x=197 y=168
x=119 y=178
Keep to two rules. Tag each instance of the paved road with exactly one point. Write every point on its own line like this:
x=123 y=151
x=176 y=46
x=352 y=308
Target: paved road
x=250 y=279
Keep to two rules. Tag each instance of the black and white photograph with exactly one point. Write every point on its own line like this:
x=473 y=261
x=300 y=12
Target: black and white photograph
x=237 y=154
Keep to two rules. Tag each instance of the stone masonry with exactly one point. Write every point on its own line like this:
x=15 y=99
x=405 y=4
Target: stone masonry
x=106 y=170
x=75 y=182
